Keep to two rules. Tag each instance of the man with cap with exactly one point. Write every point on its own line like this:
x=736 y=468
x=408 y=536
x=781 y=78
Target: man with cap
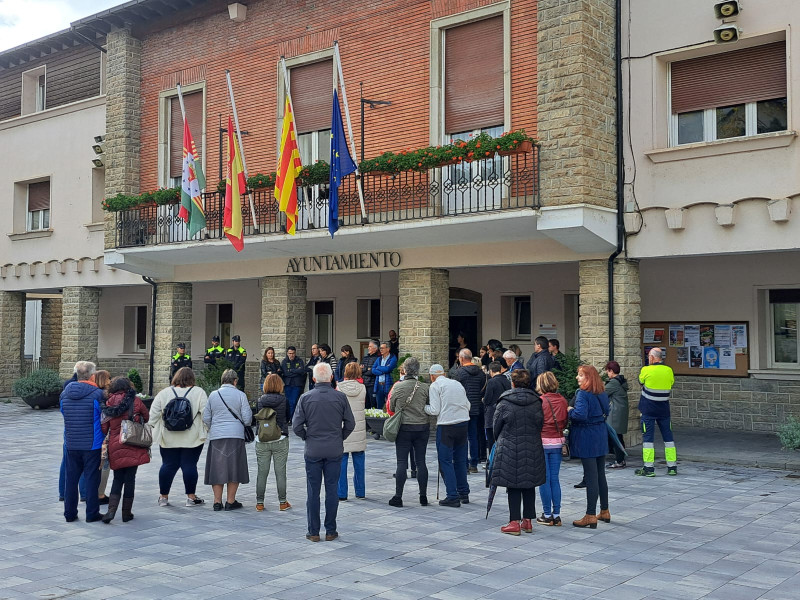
x=214 y=352
x=179 y=360
x=237 y=356
x=449 y=402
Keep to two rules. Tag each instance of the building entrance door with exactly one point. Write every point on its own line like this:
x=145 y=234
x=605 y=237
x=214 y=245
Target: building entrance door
x=465 y=318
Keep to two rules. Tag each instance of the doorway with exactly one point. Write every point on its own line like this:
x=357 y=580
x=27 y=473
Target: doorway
x=466 y=318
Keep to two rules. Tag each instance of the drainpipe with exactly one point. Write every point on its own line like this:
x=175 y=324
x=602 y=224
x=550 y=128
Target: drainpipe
x=152 y=334
x=620 y=177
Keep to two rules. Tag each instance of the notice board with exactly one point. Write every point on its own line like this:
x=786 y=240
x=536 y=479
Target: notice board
x=707 y=348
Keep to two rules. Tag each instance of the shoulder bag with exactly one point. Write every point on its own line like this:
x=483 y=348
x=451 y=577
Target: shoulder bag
x=564 y=432
x=135 y=433
x=392 y=425
x=249 y=435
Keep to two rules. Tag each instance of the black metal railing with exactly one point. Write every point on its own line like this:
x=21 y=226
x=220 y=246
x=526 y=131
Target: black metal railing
x=489 y=185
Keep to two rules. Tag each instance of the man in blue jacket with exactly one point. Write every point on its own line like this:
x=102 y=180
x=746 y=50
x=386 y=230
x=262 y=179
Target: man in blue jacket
x=83 y=438
x=382 y=370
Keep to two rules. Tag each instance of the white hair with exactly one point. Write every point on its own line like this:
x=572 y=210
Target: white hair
x=510 y=354
x=656 y=353
x=322 y=373
x=84 y=370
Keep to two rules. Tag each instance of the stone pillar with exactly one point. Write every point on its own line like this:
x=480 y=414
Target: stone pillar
x=173 y=325
x=12 y=338
x=424 y=315
x=80 y=309
x=594 y=325
x=283 y=317
x=576 y=102
x=123 y=119
x=50 y=354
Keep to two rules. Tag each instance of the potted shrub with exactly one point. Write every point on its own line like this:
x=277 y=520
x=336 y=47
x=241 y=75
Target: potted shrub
x=375 y=418
x=40 y=389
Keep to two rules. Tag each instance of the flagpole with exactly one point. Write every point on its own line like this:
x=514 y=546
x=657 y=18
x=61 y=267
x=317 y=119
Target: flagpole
x=359 y=186
x=241 y=149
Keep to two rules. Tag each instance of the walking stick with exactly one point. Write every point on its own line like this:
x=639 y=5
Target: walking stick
x=438 y=478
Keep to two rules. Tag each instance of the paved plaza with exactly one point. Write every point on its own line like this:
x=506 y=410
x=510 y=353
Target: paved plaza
x=719 y=532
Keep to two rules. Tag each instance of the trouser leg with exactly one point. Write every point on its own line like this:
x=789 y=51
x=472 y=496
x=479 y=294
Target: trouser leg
x=670 y=453
x=189 y=458
x=402 y=446
x=590 y=476
x=73 y=468
x=313 y=486
x=419 y=448
x=529 y=503
x=460 y=459
x=619 y=455
x=331 y=468
x=170 y=463
x=648 y=437
x=602 y=484
x=444 y=450
x=514 y=504
x=91 y=475
x=263 y=459
x=280 y=458
x=343 y=485
x=359 y=479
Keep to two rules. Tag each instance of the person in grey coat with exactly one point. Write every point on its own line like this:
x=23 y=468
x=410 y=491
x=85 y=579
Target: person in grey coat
x=617 y=392
x=323 y=419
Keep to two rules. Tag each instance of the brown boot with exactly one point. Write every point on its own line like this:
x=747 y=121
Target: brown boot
x=127 y=505
x=604 y=516
x=113 y=503
x=587 y=521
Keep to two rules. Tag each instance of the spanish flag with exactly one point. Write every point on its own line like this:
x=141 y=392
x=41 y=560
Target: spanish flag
x=289 y=167
x=235 y=185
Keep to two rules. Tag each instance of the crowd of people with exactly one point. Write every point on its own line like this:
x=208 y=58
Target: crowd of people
x=494 y=409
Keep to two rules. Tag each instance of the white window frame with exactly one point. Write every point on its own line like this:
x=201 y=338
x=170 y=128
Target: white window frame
x=364 y=317
x=772 y=363
x=36 y=220
x=710 y=124
x=165 y=131
x=518 y=335
x=33 y=98
x=130 y=346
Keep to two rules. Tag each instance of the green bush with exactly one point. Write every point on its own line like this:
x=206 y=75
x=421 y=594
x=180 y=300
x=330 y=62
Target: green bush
x=136 y=380
x=567 y=384
x=44 y=382
x=400 y=361
x=209 y=378
x=789 y=434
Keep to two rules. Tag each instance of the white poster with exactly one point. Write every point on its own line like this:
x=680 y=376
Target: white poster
x=739 y=336
x=676 y=336
x=653 y=335
x=691 y=335
x=722 y=336
x=727 y=359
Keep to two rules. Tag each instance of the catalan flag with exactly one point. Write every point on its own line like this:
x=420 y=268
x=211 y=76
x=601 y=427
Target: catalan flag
x=289 y=167
x=235 y=185
x=192 y=182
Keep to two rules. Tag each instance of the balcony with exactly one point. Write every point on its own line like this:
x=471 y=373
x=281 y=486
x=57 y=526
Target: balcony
x=462 y=190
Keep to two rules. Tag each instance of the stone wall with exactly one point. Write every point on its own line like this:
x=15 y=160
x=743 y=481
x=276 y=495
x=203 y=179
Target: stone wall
x=424 y=296
x=50 y=353
x=120 y=366
x=80 y=307
x=283 y=318
x=173 y=325
x=734 y=402
x=12 y=338
x=576 y=92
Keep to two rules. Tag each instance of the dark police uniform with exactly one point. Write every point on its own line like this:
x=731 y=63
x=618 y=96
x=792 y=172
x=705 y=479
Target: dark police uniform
x=213 y=353
x=179 y=361
x=237 y=358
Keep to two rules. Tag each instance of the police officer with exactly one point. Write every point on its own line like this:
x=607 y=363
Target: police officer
x=179 y=360
x=237 y=356
x=214 y=352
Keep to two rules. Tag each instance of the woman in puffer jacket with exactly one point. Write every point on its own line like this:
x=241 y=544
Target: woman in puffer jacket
x=124 y=459
x=519 y=456
x=356 y=442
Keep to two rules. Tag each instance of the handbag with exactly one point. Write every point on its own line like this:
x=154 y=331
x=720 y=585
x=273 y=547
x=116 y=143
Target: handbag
x=249 y=434
x=134 y=433
x=564 y=432
x=392 y=425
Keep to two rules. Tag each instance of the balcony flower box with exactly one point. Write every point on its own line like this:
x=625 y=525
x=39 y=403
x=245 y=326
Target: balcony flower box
x=521 y=148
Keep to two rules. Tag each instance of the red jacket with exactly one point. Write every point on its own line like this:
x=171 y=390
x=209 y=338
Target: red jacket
x=121 y=455
x=559 y=403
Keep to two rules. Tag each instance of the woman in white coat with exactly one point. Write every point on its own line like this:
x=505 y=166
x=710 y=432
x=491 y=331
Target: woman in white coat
x=356 y=442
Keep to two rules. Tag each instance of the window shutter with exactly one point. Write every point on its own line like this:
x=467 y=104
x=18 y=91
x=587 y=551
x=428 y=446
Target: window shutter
x=39 y=196
x=312 y=95
x=736 y=77
x=473 y=79
x=194 y=113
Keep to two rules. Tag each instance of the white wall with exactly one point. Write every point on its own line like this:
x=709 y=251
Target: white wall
x=245 y=295
x=113 y=301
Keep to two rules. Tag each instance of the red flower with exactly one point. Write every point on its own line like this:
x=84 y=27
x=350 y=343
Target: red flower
x=470 y=154
x=488 y=153
x=478 y=145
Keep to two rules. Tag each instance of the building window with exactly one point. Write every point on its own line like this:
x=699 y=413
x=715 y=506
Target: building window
x=368 y=317
x=322 y=324
x=193 y=103
x=219 y=321
x=784 y=308
x=38 y=206
x=515 y=317
x=34 y=90
x=729 y=95
x=135 y=329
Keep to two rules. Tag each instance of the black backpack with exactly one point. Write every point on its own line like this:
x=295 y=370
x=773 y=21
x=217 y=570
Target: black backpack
x=178 y=414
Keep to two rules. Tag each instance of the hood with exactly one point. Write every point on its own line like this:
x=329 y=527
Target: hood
x=350 y=388
x=520 y=396
x=115 y=398
x=622 y=381
x=79 y=389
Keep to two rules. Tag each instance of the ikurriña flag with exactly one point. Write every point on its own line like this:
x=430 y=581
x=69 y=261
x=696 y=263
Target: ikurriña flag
x=342 y=164
x=289 y=167
x=235 y=185
x=192 y=182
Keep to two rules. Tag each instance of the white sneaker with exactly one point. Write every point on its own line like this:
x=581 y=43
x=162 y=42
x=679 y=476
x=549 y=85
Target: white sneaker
x=163 y=501
x=194 y=501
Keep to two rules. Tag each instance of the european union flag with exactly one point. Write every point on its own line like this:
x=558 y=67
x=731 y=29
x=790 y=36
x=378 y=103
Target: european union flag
x=341 y=164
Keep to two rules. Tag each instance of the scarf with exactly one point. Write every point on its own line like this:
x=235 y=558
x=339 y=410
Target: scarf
x=123 y=407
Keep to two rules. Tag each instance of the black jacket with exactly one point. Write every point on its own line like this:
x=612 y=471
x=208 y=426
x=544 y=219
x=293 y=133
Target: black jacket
x=294 y=372
x=519 y=456
x=237 y=358
x=495 y=387
x=268 y=368
x=343 y=362
x=539 y=363
x=473 y=379
x=278 y=403
x=312 y=361
x=366 y=370
x=178 y=362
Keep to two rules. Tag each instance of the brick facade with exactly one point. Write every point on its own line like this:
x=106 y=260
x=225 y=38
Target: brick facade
x=80 y=318
x=12 y=338
x=424 y=296
x=576 y=92
x=173 y=325
x=50 y=354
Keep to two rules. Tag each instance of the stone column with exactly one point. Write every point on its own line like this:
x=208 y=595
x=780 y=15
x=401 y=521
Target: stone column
x=173 y=325
x=50 y=354
x=80 y=309
x=594 y=325
x=424 y=315
x=576 y=101
x=283 y=317
x=12 y=338
x=123 y=119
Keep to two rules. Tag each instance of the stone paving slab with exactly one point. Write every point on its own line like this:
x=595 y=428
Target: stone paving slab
x=728 y=532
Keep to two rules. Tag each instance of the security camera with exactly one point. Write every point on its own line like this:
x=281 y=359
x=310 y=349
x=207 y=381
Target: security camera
x=726 y=34
x=727 y=10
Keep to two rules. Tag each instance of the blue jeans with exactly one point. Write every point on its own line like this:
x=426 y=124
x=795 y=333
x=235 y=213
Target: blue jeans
x=86 y=462
x=475 y=425
x=358 y=475
x=292 y=393
x=62 y=478
x=381 y=394
x=316 y=469
x=451 y=446
x=551 y=490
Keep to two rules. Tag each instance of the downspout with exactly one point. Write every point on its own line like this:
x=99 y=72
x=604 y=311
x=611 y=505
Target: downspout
x=152 y=334
x=620 y=176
